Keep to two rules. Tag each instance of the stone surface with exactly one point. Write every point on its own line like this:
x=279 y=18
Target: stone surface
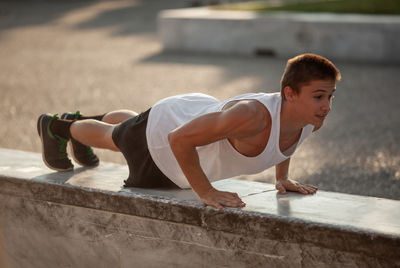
x=56 y=235
x=86 y=217
x=285 y=34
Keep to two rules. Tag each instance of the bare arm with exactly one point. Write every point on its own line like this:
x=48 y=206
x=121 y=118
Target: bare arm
x=283 y=182
x=240 y=120
x=282 y=170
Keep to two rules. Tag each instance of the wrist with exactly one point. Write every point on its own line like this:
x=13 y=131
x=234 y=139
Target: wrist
x=282 y=178
x=204 y=190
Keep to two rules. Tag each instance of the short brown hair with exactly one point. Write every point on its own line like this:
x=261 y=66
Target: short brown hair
x=304 y=68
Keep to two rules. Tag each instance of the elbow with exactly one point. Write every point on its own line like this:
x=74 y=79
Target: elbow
x=174 y=140
x=178 y=142
x=171 y=137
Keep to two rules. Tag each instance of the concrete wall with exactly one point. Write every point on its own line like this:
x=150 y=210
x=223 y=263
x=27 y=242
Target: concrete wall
x=336 y=36
x=3 y=256
x=85 y=218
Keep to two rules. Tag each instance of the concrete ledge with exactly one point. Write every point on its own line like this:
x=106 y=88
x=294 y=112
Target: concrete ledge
x=336 y=36
x=85 y=218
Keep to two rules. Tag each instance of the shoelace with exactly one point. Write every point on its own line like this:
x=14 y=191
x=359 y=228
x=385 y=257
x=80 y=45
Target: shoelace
x=77 y=115
x=90 y=151
x=62 y=143
x=62 y=146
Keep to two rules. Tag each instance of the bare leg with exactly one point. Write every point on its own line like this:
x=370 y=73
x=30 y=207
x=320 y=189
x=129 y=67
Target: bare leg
x=99 y=133
x=94 y=133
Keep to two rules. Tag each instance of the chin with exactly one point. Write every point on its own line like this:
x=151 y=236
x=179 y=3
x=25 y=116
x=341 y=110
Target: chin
x=318 y=124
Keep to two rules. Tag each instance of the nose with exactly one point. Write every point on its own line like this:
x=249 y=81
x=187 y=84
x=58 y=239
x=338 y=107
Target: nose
x=326 y=106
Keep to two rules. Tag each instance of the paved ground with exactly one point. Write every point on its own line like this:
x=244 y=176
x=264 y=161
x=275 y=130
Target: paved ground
x=97 y=56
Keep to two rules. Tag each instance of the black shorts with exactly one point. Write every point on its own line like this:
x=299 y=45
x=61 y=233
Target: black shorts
x=130 y=138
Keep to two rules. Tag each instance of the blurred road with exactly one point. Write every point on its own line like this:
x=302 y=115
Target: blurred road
x=97 y=56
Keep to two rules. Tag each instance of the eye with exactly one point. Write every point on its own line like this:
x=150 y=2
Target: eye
x=318 y=97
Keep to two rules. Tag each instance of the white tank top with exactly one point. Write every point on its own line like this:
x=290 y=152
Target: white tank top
x=218 y=160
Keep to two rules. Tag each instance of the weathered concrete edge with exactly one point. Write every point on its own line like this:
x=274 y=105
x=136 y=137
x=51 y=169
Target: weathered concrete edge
x=231 y=220
x=206 y=12
x=332 y=35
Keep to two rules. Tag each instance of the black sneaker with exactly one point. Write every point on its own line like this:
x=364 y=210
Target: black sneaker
x=82 y=154
x=54 y=147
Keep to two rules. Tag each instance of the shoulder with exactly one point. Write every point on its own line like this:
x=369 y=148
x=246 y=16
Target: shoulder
x=246 y=108
x=249 y=112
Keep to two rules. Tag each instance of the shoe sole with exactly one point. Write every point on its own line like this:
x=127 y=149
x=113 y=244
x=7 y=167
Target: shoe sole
x=76 y=160
x=43 y=157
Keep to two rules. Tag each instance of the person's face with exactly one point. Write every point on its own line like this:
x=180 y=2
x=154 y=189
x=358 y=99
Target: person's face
x=314 y=101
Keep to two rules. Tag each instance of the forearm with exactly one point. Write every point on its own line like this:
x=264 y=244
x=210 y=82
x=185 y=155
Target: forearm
x=282 y=170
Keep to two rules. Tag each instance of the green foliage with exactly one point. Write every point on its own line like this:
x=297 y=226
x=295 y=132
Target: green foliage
x=336 y=6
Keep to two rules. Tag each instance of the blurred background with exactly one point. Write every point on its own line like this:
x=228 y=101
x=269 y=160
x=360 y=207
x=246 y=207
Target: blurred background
x=96 y=56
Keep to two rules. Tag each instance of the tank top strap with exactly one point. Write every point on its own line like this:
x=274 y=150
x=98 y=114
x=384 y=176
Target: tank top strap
x=270 y=100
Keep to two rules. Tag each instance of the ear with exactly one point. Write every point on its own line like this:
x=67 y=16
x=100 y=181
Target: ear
x=289 y=93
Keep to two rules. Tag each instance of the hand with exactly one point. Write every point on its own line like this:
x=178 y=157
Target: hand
x=218 y=199
x=294 y=186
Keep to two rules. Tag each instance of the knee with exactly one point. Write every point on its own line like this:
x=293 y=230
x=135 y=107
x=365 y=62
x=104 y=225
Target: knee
x=119 y=116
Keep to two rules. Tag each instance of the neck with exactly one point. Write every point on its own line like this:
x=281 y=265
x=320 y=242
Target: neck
x=290 y=122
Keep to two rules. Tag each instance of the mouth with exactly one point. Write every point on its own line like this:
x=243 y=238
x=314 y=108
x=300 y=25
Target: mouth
x=321 y=117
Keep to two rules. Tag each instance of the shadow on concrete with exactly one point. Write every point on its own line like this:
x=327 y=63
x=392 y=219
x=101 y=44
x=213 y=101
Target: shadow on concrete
x=356 y=179
x=257 y=73
x=15 y=14
x=200 y=58
x=132 y=19
x=127 y=17
x=59 y=177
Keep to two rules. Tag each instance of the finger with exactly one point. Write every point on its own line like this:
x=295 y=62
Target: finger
x=239 y=203
x=236 y=195
x=216 y=205
x=312 y=186
x=280 y=188
x=231 y=196
x=313 y=190
x=310 y=190
x=232 y=202
x=211 y=202
x=302 y=190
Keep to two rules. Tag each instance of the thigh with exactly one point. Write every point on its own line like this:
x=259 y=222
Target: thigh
x=130 y=138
